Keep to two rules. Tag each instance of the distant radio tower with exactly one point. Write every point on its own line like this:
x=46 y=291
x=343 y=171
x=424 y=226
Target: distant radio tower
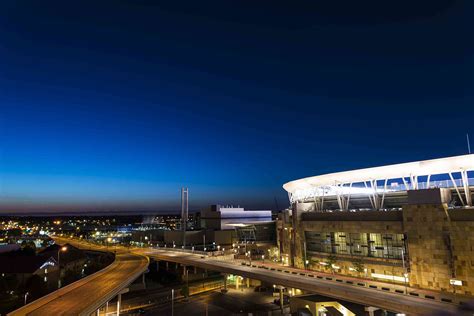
x=184 y=208
x=468 y=144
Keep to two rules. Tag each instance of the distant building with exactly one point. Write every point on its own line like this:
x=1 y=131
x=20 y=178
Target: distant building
x=21 y=268
x=220 y=217
x=73 y=259
x=260 y=232
x=9 y=247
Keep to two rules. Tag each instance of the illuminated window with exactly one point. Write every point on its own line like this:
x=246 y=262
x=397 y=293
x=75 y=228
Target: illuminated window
x=359 y=244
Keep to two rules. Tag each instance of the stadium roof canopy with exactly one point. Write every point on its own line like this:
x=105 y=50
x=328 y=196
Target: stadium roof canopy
x=409 y=173
x=397 y=171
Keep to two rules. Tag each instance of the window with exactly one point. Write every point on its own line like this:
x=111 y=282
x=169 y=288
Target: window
x=341 y=243
x=357 y=244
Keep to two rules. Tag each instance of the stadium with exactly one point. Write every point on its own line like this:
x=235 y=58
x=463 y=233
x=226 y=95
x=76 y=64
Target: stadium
x=409 y=223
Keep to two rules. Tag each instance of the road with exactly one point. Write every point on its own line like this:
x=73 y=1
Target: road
x=234 y=302
x=309 y=281
x=337 y=287
x=87 y=295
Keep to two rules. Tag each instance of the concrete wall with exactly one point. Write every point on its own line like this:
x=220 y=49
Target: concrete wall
x=439 y=249
x=192 y=237
x=224 y=237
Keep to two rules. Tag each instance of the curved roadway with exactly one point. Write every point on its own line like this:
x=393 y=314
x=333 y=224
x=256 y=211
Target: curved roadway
x=91 y=292
x=85 y=296
x=408 y=304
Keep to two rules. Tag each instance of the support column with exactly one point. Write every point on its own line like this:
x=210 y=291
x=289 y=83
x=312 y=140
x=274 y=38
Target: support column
x=371 y=310
x=157 y=266
x=237 y=280
x=248 y=282
x=119 y=302
x=225 y=283
x=184 y=271
x=143 y=281
x=281 y=299
x=106 y=308
x=467 y=191
x=167 y=265
x=195 y=270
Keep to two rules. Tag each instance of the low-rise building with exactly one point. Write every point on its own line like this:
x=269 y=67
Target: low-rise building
x=20 y=268
x=71 y=259
x=220 y=217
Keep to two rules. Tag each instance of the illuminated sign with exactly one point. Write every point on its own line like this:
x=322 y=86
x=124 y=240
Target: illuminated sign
x=389 y=277
x=47 y=264
x=455 y=282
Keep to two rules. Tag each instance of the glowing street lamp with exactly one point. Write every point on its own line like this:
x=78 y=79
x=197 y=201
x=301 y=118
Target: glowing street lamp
x=63 y=249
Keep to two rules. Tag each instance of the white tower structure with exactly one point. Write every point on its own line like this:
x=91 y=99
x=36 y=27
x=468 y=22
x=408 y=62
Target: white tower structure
x=184 y=208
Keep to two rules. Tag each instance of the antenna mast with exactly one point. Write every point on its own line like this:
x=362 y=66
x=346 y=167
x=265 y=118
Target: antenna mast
x=468 y=143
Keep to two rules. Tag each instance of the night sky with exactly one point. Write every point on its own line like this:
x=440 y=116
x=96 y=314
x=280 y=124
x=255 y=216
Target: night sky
x=114 y=105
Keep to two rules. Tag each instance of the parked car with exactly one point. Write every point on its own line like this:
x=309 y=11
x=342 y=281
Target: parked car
x=286 y=300
x=261 y=288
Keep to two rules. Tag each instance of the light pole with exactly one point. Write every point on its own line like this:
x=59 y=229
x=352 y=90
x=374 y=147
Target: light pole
x=405 y=274
x=26 y=295
x=63 y=248
x=305 y=259
x=172 y=302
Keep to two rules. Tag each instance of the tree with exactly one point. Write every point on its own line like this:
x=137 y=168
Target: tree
x=14 y=232
x=359 y=266
x=331 y=261
x=185 y=291
x=28 y=248
x=70 y=276
x=34 y=286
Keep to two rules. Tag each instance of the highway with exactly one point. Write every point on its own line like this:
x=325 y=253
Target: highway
x=132 y=262
x=309 y=281
x=85 y=296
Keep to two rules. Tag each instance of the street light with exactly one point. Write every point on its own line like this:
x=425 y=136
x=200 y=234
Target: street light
x=26 y=295
x=405 y=274
x=63 y=248
x=172 y=302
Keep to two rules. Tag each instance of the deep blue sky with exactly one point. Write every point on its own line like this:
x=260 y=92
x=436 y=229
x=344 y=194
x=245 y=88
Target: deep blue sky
x=117 y=104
